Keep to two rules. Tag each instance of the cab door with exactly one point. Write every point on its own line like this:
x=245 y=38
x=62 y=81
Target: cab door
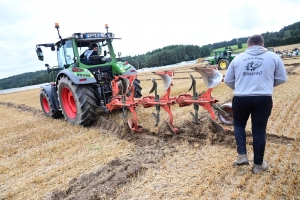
x=65 y=54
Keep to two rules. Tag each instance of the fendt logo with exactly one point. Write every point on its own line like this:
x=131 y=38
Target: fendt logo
x=251 y=66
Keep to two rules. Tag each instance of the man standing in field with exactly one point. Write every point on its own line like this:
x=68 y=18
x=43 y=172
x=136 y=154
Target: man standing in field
x=253 y=75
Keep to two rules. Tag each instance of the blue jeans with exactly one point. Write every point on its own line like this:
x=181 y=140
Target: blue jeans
x=260 y=108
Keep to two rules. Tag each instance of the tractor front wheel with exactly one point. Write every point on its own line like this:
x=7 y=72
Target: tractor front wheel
x=78 y=102
x=47 y=106
x=137 y=89
x=223 y=64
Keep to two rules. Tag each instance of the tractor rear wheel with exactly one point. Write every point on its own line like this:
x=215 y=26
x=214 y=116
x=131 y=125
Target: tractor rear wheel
x=47 y=106
x=78 y=102
x=223 y=64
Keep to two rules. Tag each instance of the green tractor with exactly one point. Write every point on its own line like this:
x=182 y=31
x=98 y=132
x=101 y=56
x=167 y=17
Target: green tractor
x=222 y=58
x=82 y=87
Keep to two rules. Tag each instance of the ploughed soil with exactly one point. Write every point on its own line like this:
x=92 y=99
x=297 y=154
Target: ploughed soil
x=150 y=149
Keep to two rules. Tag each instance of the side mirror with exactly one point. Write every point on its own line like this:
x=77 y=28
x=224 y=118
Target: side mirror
x=39 y=53
x=119 y=54
x=52 y=48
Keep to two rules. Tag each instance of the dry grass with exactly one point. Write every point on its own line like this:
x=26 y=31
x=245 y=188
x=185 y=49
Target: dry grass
x=287 y=47
x=38 y=155
x=28 y=97
x=206 y=173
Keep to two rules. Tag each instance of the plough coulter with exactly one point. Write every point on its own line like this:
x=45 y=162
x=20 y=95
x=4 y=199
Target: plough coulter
x=211 y=77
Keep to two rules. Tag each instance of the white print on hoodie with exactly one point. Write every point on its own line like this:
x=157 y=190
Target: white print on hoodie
x=255 y=72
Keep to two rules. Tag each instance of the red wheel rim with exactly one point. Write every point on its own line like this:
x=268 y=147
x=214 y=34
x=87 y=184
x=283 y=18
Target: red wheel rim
x=46 y=105
x=68 y=102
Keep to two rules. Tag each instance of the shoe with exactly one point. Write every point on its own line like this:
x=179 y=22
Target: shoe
x=262 y=167
x=242 y=159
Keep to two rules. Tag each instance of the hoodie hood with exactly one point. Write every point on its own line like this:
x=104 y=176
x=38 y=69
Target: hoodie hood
x=256 y=50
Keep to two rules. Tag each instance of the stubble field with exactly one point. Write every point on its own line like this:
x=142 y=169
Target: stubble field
x=42 y=158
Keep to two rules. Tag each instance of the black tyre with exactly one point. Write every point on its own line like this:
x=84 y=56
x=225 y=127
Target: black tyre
x=47 y=106
x=78 y=102
x=227 y=117
x=137 y=89
x=223 y=64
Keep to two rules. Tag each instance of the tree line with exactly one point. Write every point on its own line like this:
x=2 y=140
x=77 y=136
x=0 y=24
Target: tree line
x=178 y=53
x=167 y=55
x=287 y=35
x=26 y=79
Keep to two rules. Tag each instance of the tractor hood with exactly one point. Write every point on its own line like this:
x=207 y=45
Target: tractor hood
x=209 y=58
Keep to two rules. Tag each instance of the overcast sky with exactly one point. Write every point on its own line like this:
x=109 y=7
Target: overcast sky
x=143 y=25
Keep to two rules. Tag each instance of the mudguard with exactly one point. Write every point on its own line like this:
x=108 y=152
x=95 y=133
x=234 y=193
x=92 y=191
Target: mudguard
x=51 y=90
x=75 y=79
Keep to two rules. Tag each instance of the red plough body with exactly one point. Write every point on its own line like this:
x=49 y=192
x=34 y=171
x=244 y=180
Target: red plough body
x=124 y=98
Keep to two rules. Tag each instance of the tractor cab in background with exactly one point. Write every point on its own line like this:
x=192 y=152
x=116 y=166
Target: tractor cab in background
x=222 y=58
x=271 y=49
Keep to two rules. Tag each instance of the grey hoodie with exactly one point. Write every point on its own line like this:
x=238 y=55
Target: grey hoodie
x=255 y=72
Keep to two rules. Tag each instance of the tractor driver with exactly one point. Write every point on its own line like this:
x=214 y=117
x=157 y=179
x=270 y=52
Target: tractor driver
x=91 y=56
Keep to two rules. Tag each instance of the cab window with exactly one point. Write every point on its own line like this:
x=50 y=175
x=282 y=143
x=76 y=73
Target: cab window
x=65 y=54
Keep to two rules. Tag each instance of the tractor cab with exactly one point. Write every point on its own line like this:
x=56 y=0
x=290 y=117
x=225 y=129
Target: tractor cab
x=70 y=50
x=271 y=49
x=73 y=49
x=223 y=54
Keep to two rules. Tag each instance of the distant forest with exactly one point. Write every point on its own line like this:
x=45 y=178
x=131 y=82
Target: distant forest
x=26 y=79
x=167 y=55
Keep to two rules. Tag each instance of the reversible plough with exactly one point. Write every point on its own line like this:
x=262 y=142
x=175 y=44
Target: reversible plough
x=123 y=98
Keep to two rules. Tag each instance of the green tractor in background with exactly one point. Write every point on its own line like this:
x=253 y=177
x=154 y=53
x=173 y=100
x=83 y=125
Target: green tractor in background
x=82 y=87
x=222 y=58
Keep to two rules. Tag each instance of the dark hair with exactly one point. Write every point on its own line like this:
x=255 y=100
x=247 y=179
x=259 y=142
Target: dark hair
x=94 y=45
x=255 y=40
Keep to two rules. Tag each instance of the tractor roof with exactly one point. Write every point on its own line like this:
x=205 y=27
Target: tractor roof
x=91 y=37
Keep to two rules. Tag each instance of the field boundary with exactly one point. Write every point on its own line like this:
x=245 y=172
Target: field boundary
x=20 y=89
